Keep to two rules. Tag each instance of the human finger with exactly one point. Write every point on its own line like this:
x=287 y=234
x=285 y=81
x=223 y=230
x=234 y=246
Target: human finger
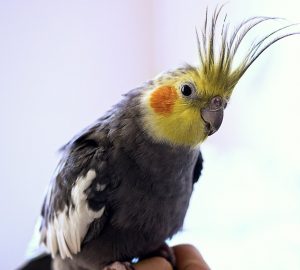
x=189 y=258
x=157 y=263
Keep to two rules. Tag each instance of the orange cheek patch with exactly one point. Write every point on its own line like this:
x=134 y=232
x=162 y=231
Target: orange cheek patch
x=163 y=99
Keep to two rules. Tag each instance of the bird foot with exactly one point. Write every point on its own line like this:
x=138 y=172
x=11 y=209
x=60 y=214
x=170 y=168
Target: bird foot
x=119 y=266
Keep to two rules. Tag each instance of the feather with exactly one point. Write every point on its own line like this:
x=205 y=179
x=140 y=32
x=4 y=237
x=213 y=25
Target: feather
x=68 y=228
x=217 y=65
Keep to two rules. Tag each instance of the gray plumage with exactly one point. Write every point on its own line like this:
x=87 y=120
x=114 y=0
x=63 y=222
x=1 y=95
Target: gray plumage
x=143 y=187
x=119 y=193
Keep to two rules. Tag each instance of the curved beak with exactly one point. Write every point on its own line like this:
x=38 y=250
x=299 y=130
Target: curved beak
x=213 y=114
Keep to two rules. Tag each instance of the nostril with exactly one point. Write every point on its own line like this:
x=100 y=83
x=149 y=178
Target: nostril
x=216 y=102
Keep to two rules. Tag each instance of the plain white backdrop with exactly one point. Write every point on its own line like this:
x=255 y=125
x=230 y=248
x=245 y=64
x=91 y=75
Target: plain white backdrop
x=64 y=63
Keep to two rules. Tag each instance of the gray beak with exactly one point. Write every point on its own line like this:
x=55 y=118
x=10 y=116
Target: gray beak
x=213 y=114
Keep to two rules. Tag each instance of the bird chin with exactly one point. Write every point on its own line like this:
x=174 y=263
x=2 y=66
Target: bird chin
x=209 y=130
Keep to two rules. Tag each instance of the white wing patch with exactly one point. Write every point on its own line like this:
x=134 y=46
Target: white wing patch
x=68 y=228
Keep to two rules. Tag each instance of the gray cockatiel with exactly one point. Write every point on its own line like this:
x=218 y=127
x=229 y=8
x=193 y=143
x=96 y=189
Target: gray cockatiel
x=124 y=184
x=112 y=200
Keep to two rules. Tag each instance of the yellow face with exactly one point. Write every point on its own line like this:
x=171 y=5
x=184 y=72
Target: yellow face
x=173 y=107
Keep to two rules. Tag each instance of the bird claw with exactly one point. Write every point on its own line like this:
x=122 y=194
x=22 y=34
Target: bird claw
x=119 y=266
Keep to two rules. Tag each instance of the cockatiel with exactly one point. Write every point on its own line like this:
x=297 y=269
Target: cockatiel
x=124 y=184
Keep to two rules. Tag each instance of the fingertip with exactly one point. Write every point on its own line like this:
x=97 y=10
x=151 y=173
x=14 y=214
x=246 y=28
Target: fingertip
x=153 y=263
x=189 y=258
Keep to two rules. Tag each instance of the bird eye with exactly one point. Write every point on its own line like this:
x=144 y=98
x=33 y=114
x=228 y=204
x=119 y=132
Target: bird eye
x=186 y=90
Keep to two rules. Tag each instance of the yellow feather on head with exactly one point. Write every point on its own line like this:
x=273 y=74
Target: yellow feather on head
x=175 y=101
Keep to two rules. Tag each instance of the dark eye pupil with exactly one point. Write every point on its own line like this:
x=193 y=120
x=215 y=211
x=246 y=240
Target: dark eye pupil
x=186 y=90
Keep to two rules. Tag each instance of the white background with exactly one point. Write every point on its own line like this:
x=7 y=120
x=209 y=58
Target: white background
x=64 y=63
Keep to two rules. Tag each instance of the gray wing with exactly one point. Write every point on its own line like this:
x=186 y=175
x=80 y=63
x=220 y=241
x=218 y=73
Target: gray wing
x=198 y=168
x=77 y=197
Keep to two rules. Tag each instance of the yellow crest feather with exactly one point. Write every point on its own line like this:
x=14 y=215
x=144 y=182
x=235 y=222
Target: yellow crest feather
x=217 y=66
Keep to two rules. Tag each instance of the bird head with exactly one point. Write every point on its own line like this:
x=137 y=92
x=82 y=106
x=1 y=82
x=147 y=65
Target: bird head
x=186 y=105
